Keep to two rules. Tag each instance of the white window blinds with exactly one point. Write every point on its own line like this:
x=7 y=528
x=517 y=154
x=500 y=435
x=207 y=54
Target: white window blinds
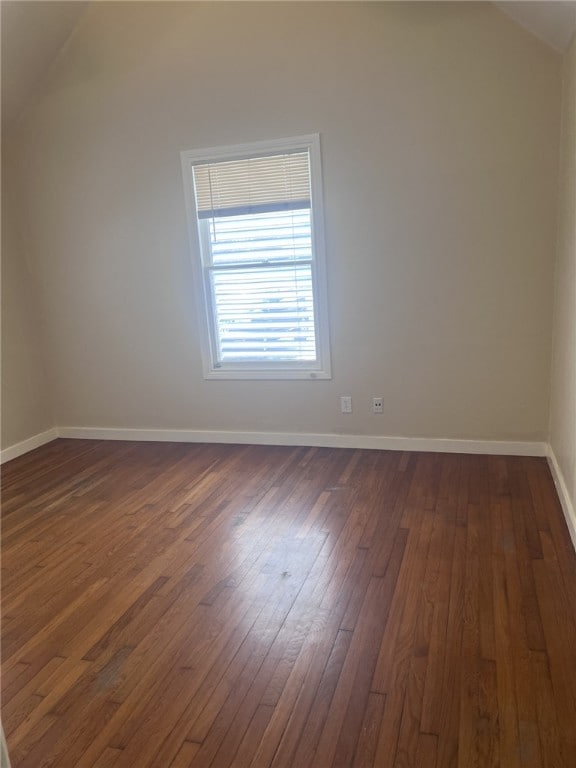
x=261 y=286
x=253 y=185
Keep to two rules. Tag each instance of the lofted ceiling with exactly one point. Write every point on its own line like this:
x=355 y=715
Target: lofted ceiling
x=34 y=32
x=553 y=21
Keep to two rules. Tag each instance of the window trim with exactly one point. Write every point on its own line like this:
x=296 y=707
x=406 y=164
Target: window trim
x=321 y=369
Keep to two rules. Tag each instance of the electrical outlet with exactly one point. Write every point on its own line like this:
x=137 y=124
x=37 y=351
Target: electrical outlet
x=377 y=405
x=346 y=404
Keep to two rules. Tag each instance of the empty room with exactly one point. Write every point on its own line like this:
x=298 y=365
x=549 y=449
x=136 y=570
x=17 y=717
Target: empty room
x=288 y=384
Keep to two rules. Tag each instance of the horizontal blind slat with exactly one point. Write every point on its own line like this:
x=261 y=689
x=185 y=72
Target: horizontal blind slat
x=276 y=236
x=234 y=185
x=265 y=313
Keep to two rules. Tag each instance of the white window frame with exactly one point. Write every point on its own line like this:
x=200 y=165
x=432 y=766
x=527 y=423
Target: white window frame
x=212 y=369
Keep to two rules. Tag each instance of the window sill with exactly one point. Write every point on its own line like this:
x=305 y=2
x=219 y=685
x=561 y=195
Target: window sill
x=266 y=375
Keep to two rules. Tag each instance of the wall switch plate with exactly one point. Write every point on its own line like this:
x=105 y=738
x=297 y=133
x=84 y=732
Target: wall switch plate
x=346 y=404
x=377 y=405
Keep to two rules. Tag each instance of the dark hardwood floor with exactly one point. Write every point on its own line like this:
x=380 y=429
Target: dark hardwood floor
x=186 y=606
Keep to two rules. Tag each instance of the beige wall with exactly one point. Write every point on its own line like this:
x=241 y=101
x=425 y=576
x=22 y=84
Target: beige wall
x=26 y=409
x=563 y=401
x=439 y=127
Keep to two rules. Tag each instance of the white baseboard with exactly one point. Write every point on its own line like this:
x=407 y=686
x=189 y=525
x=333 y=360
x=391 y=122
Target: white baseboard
x=499 y=447
x=563 y=495
x=13 y=451
x=377 y=442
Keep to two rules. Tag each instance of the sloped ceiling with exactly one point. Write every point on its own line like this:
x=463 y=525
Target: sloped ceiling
x=32 y=35
x=552 y=21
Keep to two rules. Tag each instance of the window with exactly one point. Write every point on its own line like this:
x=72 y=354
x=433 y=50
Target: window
x=256 y=230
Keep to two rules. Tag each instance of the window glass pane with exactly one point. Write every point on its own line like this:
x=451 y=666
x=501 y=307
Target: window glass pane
x=272 y=236
x=264 y=313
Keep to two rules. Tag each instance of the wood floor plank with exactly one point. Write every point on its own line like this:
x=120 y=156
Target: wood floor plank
x=108 y=758
x=506 y=689
x=368 y=738
x=218 y=606
x=342 y=729
x=560 y=631
x=309 y=737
